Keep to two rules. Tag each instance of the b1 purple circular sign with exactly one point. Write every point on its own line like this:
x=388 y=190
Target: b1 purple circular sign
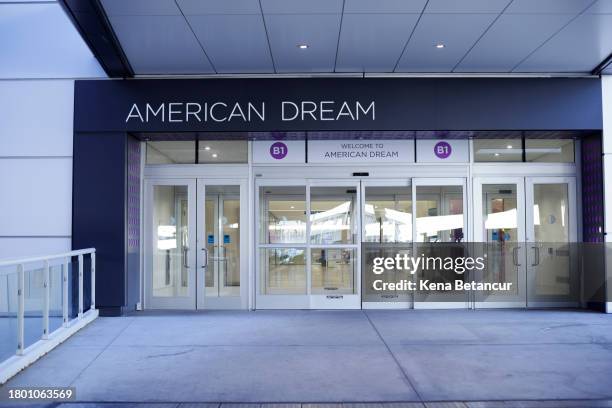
x=278 y=150
x=442 y=150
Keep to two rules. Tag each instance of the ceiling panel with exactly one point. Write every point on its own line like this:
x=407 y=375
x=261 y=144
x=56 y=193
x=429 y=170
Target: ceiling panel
x=373 y=42
x=579 y=47
x=466 y=6
x=548 y=6
x=301 y=6
x=503 y=46
x=319 y=31
x=384 y=6
x=601 y=7
x=160 y=45
x=196 y=7
x=231 y=37
x=457 y=32
x=141 y=8
x=234 y=43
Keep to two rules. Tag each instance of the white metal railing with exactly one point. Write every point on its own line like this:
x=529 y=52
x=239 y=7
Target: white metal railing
x=25 y=355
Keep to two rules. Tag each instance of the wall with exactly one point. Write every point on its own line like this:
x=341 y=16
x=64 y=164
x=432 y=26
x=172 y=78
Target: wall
x=606 y=89
x=41 y=54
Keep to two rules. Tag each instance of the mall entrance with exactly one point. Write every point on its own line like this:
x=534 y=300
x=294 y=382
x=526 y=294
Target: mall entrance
x=196 y=252
x=253 y=235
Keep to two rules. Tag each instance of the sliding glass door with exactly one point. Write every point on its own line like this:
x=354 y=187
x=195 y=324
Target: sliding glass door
x=308 y=245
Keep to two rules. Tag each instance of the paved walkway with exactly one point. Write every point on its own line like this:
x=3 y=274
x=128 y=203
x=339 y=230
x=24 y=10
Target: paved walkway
x=337 y=356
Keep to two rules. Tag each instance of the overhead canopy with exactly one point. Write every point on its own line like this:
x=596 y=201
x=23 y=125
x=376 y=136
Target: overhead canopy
x=171 y=37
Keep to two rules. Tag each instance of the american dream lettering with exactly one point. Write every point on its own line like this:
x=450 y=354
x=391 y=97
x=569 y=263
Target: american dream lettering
x=222 y=111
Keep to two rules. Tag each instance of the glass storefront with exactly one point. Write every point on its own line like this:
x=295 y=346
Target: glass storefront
x=310 y=221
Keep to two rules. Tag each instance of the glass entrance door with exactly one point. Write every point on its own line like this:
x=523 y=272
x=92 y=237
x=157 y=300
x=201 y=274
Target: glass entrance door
x=527 y=227
x=439 y=232
x=499 y=217
x=334 y=245
x=308 y=245
x=195 y=244
x=386 y=230
x=551 y=234
x=169 y=244
x=221 y=237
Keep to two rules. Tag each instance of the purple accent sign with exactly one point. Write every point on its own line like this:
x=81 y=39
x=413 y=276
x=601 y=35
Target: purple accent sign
x=278 y=150
x=442 y=150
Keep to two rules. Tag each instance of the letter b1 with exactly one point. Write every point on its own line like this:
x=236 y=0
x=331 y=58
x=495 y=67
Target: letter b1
x=278 y=150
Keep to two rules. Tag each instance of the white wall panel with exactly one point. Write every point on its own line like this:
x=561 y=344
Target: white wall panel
x=41 y=56
x=36 y=118
x=606 y=91
x=37 y=40
x=37 y=197
x=15 y=247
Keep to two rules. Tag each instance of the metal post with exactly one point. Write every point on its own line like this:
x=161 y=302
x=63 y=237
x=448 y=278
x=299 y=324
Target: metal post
x=65 y=293
x=20 y=310
x=45 y=310
x=93 y=280
x=80 y=286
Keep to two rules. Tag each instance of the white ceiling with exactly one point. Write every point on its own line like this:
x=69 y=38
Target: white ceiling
x=261 y=36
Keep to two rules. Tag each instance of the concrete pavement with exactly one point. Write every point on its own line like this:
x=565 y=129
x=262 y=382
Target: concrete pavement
x=336 y=356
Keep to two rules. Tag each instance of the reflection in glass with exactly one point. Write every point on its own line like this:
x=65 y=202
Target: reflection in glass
x=551 y=234
x=549 y=150
x=501 y=231
x=283 y=271
x=222 y=218
x=170 y=241
x=439 y=215
x=333 y=270
x=283 y=219
x=170 y=152
x=331 y=215
x=387 y=214
x=223 y=151
x=498 y=150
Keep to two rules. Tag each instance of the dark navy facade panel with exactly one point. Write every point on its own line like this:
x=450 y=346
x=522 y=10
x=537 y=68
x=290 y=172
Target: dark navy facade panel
x=99 y=211
x=400 y=103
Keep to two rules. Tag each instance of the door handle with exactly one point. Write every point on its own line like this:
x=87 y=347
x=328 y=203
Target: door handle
x=537 y=255
x=515 y=256
x=206 y=257
x=185 y=262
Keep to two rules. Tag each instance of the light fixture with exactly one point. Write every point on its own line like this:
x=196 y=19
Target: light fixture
x=439 y=46
x=496 y=154
x=302 y=46
x=509 y=147
x=206 y=147
x=292 y=207
x=215 y=155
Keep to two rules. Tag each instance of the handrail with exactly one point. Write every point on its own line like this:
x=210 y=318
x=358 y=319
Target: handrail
x=26 y=355
x=77 y=252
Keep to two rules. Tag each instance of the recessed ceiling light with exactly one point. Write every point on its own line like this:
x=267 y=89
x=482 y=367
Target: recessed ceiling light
x=302 y=46
x=439 y=45
x=206 y=147
x=496 y=154
x=215 y=155
x=509 y=147
x=292 y=207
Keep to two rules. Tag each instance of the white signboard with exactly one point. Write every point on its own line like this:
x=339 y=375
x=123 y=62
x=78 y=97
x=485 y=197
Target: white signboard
x=361 y=151
x=279 y=151
x=442 y=151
